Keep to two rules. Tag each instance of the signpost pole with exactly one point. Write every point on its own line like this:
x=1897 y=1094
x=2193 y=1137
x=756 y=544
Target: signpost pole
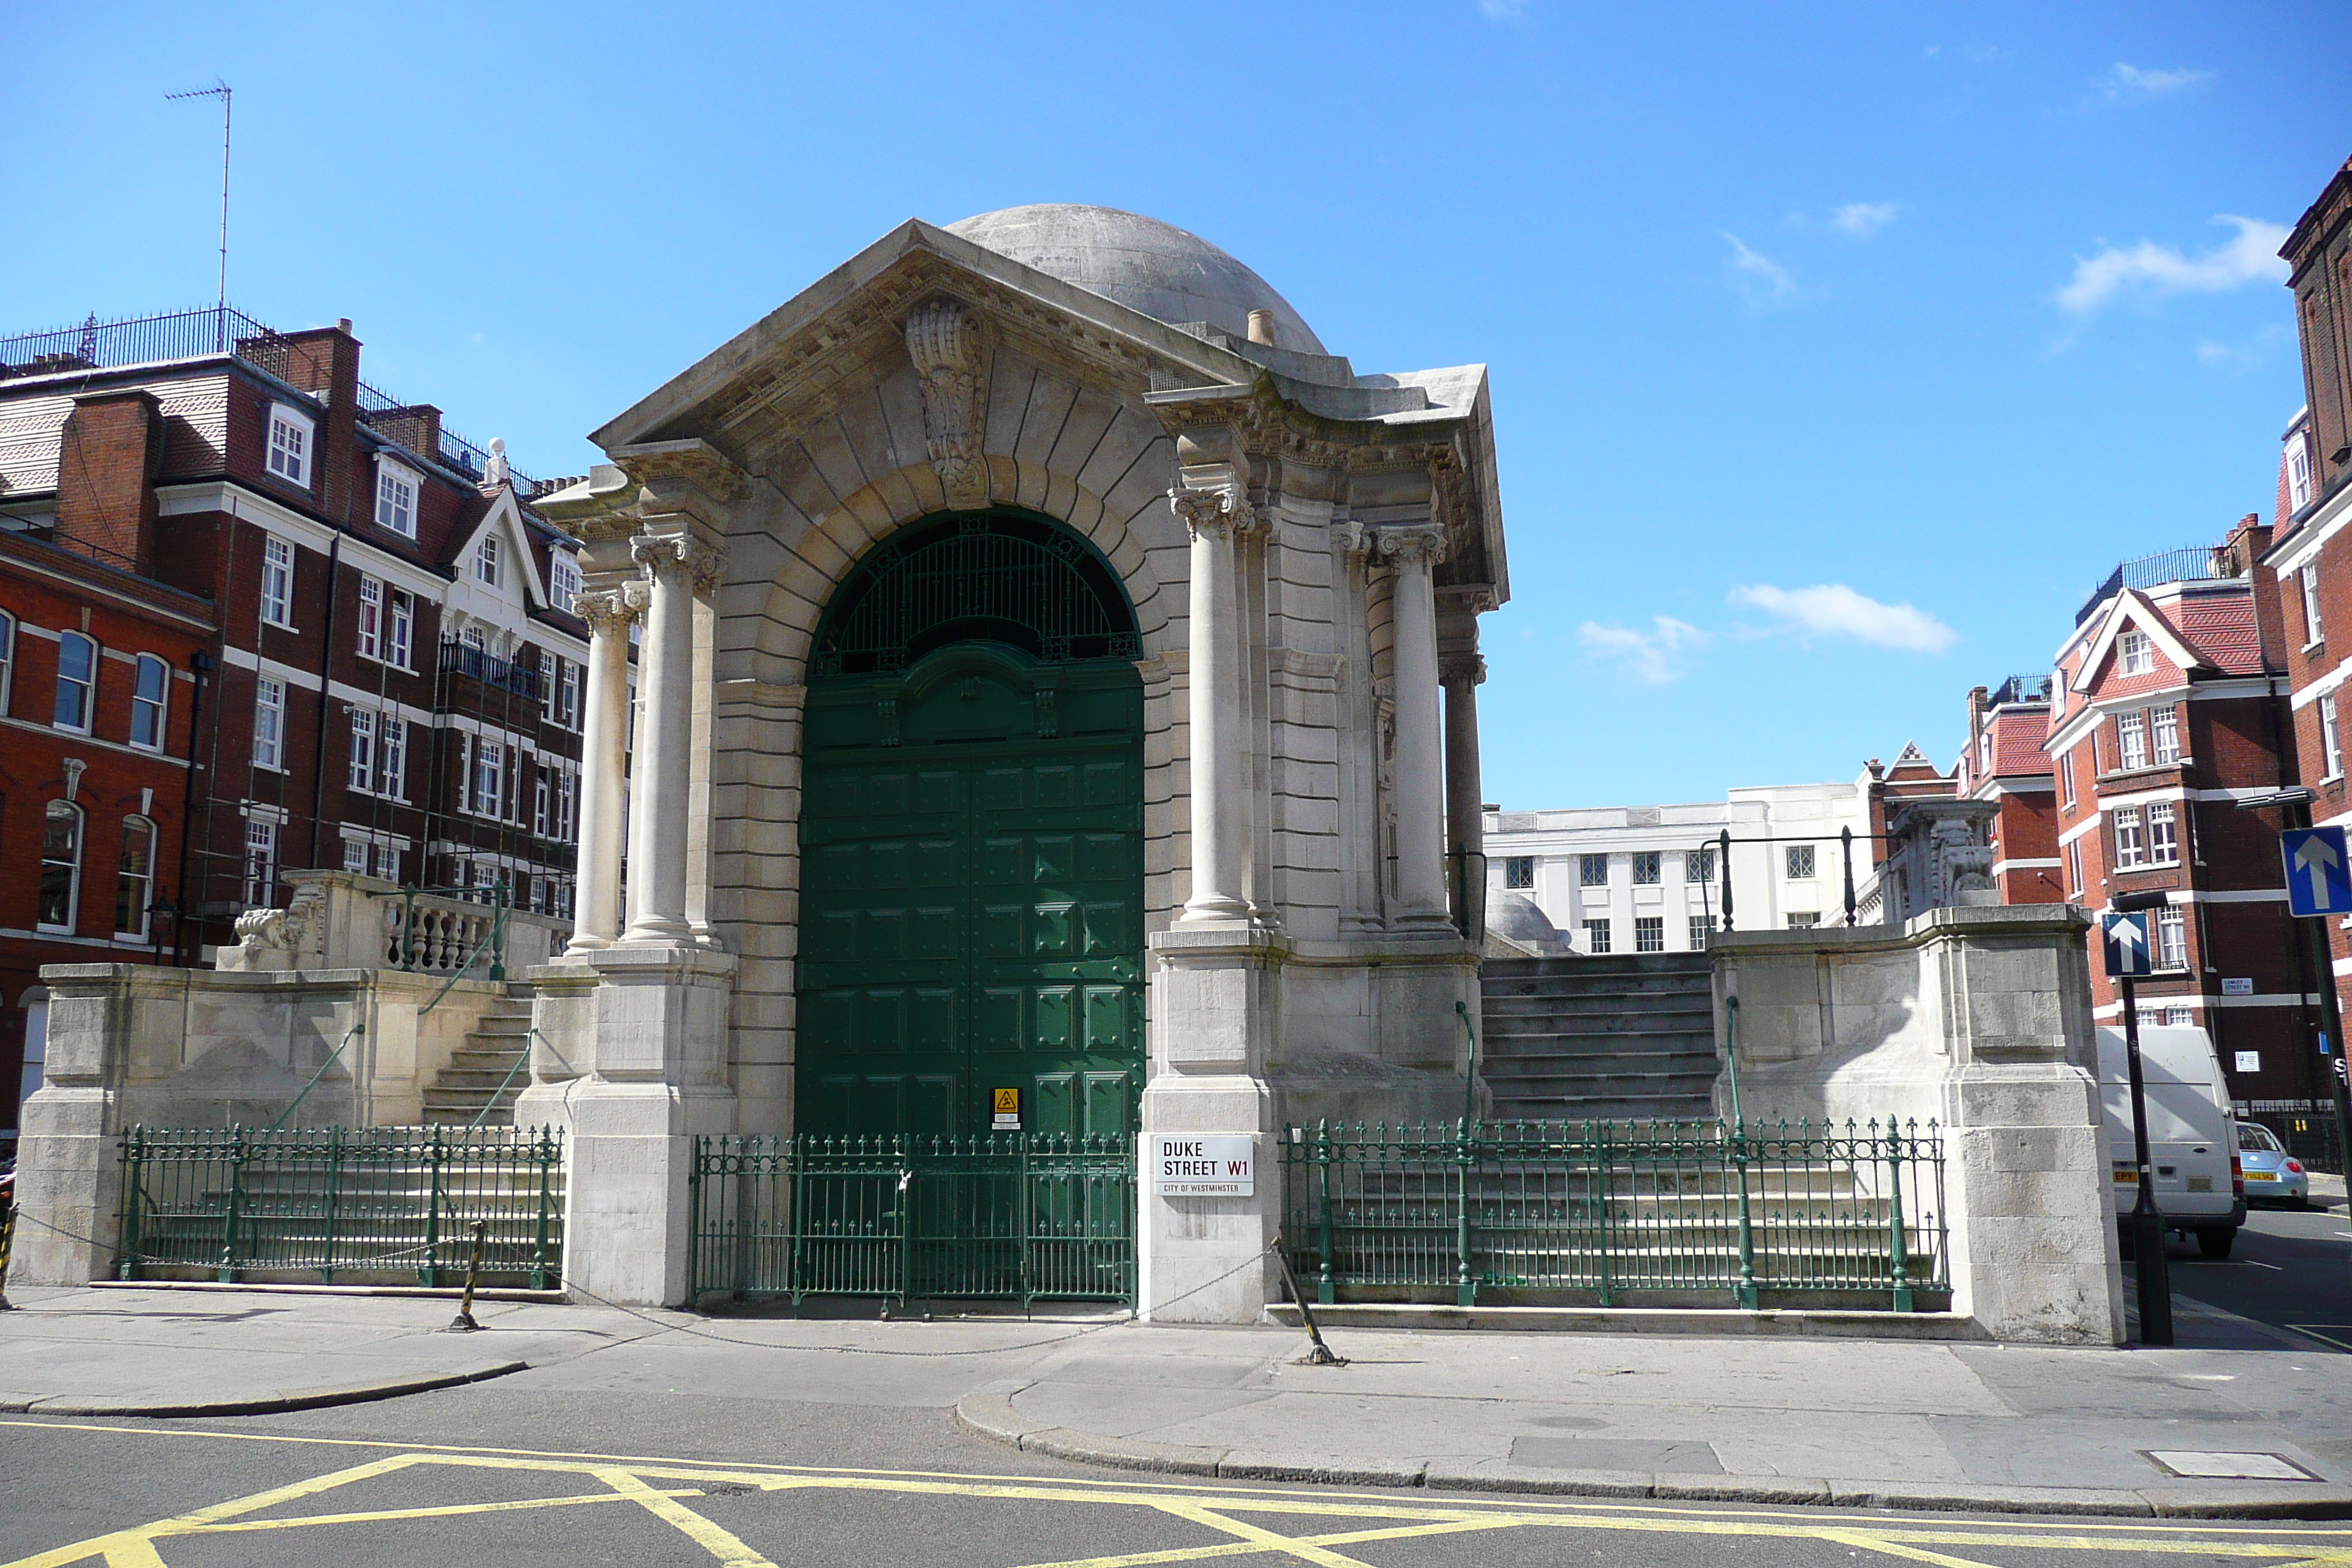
x=2153 y=1269
x=2315 y=865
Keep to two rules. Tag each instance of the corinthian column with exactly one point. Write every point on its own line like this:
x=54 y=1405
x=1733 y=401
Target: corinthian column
x=1465 y=821
x=1212 y=678
x=1420 y=794
x=661 y=781
x=604 y=738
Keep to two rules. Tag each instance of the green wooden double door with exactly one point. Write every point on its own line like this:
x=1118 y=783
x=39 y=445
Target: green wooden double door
x=971 y=898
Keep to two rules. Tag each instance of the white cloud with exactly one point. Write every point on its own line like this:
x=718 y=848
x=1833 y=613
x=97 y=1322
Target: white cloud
x=1864 y=219
x=2130 y=84
x=1832 y=609
x=2251 y=258
x=1651 y=656
x=1772 y=279
x=1503 y=10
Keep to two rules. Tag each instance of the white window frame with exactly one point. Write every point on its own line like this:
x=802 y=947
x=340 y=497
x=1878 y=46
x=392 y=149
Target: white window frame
x=1800 y=861
x=1702 y=929
x=2172 y=938
x=1649 y=933
x=2131 y=841
x=391 y=511
x=489 y=759
x=1599 y=936
x=387 y=862
x=86 y=687
x=1804 y=920
x=489 y=570
x=361 y=771
x=2134 y=654
x=2066 y=778
x=260 y=861
x=2315 y=629
x=2074 y=870
x=563 y=580
x=156 y=710
x=1584 y=868
x=2131 y=741
x=369 y=626
x=1698 y=864
x=547 y=669
x=269 y=724
x=391 y=756
x=277 y=560
x=80 y=820
x=293 y=445
x=1651 y=862
x=2164 y=734
x=543 y=804
x=356 y=856
x=567 y=712
x=400 y=629
x=2331 y=739
x=8 y=657
x=2163 y=846
x=567 y=807
x=1518 y=871
x=2298 y=475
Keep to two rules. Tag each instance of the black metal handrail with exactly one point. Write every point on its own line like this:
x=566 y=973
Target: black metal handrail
x=463 y=658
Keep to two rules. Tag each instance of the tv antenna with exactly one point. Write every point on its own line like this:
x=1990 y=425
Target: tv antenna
x=219 y=90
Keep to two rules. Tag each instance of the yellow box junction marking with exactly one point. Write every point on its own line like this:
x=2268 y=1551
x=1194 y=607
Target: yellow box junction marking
x=658 y=1487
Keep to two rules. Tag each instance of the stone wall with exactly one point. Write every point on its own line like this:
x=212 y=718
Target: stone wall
x=1978 y=1020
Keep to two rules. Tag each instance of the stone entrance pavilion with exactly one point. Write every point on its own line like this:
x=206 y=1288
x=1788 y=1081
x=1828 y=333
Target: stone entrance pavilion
x=1041 y=640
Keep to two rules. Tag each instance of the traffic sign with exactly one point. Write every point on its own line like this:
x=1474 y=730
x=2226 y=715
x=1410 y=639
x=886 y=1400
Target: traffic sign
x=2318 y=871
x=2126 y=943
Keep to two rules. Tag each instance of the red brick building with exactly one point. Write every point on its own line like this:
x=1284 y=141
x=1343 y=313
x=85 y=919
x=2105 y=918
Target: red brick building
x=2004 y=762
x=2164 y=726
x=367 y=651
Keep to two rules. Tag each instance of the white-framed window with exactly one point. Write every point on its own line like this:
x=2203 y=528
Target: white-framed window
x=269 y=723
x=1597 y=936
x=76 y=682
x=546 y=663
x=489 y=778
x=8 y=657
x=2131 y=848
x=134 y=880
x=1804 y=920
x=1649 y=933
x=562 y=578
x=486 y=878
x=567 y=807
x=1701 y=928
x=1592 y=870
x=2067 y=779
x=1519 y=870
x=260 y=861
x=356 y=856
x=488 y=568
x=1801 y=862
x=2315 y=629
x=1984 y=755
x=2172 y=938
x=542 y=803
x=567 y=710
x=371 y=620
x=1698 y=864
x=2135 y=655
x=399 y=629
x=395 y=498
x=61 y=837
x=2164 y=734
x=278 y=583
x=2179 y=1018
x=2074 y=870
x=362 y=757
x=2163 y=835
x=1645 y=871
x=290 y=435
x=2131 y=741
x=2298 y=473
x=391 y=755
x=387 y=862
x=2331 y=739
x=151 y=694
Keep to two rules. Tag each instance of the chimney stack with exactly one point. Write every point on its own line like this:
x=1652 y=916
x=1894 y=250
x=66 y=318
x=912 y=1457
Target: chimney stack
x=1261 y=327
x=109 y=454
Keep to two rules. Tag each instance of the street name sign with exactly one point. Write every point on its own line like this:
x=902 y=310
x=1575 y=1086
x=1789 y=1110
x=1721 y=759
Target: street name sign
x=2318 y=871
x=1191 y=1166
x=2125 y=938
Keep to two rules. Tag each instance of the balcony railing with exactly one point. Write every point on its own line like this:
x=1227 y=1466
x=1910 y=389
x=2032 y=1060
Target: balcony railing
x=461 y=658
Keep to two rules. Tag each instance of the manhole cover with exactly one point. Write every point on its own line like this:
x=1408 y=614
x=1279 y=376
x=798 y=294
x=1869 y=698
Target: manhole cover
x=2218 y=1467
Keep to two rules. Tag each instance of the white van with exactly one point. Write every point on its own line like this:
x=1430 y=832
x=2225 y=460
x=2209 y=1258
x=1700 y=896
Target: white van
x=2191 y=1135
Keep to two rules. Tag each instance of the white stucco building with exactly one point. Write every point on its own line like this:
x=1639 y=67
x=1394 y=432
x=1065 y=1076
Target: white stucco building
x=1648 y=879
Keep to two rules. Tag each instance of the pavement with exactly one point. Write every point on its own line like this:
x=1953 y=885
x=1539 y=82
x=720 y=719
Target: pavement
x=1873 y=1423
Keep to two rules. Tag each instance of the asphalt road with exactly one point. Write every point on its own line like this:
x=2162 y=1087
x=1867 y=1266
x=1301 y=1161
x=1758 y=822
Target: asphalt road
x=2291 y=1268
x=485 y=1476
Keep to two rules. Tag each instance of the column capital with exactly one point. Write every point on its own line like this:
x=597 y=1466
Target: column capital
x=1462 y=669
x=1217 y=513
x=610 y=611
x=658 y=552
x=1419 y=543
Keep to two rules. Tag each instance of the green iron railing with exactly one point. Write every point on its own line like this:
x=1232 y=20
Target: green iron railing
x=342 y=1201
x=1660 y=1211
x=1027 y=1216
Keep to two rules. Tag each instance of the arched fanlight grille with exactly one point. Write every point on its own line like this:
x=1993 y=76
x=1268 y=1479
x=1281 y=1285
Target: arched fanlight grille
x=991 y=577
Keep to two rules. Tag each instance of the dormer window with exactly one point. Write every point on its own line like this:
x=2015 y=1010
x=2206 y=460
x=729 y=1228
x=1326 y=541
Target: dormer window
x=2135 y=655
x=563 y=579
x=2298 y=474
x=395 y=498
x=485 y=560
x=291 y=436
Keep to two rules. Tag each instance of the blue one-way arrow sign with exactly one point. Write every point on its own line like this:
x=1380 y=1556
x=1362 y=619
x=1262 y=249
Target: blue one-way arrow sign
x=2318 y=871
x=2127 y=940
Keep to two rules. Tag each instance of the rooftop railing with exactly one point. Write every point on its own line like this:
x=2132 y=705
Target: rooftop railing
x=2023 y=688
x=2194 y=564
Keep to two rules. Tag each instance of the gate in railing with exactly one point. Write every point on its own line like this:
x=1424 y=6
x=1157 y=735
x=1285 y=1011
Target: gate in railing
x=1664 y=1213
x=1024 y=1216
x=342 y=1201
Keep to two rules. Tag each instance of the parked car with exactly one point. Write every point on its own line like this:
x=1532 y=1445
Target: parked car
x=2273 y=1175
x=2191 y=1135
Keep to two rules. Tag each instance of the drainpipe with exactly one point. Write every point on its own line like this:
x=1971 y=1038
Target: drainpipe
x=326 y=678
x=198 y=663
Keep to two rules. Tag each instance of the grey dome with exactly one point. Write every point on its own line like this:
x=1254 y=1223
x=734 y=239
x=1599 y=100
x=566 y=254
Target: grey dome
x=1142 y=263
x=1517 y=917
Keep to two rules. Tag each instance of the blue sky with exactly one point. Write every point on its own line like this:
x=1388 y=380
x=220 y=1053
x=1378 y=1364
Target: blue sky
x=1838 y=350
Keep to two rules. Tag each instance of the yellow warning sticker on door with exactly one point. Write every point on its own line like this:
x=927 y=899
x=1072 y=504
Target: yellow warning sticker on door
x=1007 y=1104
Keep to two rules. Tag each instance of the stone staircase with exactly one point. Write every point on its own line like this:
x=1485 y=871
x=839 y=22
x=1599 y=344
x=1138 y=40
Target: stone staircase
x=1625 y=1037
x=487 y=1061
